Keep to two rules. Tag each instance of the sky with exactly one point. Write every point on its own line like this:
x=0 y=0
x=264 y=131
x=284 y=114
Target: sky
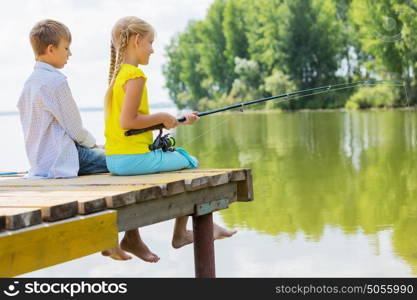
x=90 y=23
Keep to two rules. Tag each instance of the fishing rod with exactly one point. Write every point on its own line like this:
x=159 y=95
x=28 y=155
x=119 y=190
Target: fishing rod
x=12 y=173
x=301 y=93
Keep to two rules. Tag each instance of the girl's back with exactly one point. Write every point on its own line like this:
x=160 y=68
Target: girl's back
x=116 y=141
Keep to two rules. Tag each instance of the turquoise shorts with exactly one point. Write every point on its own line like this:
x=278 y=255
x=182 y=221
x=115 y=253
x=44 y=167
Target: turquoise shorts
x=151 y=162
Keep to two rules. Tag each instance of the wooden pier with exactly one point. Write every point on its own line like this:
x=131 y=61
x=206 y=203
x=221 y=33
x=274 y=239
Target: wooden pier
x=44 y=222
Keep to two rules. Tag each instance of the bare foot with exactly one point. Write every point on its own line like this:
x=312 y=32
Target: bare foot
x=139 y=249
x=221 y=232
x=116 y=253
x=180 y=240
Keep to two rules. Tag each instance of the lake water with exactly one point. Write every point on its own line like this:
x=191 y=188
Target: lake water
x=335 y=195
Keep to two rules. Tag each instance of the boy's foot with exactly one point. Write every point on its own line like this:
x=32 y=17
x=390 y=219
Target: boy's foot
x=139 y=249
x=221 y=232
x=116 y=253
x=180 y=240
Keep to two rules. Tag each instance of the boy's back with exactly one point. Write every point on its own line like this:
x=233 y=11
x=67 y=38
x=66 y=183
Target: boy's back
x=56 y=143
x=51 y=123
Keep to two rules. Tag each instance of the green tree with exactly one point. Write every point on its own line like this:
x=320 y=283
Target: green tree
x=236 y=52
x=213 y=61
x=311 y=45
x=235 y=31
x=385 y=33
x=265 y=30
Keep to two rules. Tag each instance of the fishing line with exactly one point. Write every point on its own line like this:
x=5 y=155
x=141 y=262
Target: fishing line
x=288 y=99
x=308 y=92
x=205 y=132
x=241 y=109
x=323 y=92
x=166 y=143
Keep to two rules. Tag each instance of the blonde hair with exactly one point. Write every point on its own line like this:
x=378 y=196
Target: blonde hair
x=47 y=32
x=122 y=31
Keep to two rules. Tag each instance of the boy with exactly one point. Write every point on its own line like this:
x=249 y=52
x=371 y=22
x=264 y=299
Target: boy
x=57 y=145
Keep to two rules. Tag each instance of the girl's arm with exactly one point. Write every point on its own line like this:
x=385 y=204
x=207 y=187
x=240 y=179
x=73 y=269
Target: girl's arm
x=129 y=117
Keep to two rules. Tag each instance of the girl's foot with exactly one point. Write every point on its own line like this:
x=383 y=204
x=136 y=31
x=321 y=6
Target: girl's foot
x=186 y=237
x=116 y=253
x=181 y=239
x=221 y=232
x=139 y=249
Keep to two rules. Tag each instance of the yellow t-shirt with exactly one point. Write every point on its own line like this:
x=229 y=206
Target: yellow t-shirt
x=116 y=141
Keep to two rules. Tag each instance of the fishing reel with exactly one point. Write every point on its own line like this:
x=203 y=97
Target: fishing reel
x=164 y=142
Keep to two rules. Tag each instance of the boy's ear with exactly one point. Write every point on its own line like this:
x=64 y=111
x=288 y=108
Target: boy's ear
x=49 y=49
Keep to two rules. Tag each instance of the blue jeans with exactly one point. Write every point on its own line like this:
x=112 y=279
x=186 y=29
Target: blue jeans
x=92 y=161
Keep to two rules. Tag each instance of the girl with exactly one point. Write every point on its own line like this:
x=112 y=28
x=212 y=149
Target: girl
x=126 y=106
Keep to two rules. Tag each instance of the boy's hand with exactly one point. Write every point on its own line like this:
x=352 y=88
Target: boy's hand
x=190 y=118
x=98 y=146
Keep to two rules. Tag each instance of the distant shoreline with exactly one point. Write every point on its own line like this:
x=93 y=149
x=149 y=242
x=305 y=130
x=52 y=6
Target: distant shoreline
x=169 y=105
x=89 y=109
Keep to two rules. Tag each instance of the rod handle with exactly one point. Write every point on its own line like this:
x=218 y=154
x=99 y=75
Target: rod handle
x=151 y=128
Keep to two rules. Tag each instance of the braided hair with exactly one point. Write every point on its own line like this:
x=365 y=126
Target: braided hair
x=122 y=31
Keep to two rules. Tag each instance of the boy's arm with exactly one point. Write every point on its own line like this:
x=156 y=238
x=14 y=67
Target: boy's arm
x=65 y=110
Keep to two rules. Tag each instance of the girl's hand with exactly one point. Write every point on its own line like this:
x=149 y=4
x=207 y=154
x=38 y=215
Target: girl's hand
x=190 y=118
x=169 y=121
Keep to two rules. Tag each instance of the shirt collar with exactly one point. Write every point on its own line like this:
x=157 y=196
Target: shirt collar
x=46 y=66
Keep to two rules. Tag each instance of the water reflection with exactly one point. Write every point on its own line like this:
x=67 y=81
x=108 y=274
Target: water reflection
x=356 y=171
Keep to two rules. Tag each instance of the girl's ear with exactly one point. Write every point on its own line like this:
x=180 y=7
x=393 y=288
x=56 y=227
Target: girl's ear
x=138 y=39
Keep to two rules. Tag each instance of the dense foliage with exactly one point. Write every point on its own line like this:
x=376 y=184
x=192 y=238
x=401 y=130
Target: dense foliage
x=245 y=49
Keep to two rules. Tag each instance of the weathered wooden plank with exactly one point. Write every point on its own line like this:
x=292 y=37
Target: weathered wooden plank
x=204 y=170
x=121 y=199
x=172 y=180
x=99 y=180
x=149 y=193
x=238 y=175
x=48 y=194
x=196 y=183
x=2 y=222
x=102 y=190
x=245 y=188
x=214 y=178
x=79 y=203
x=140 y=193
x=91 y=200
x=42 y=246
x=193 y=181
x=161 y=209
x=173 y=194
x=89 y=206
x=16 y=218
x=234 y=174
x=81 y=206
x=207 y=208
x=243 y=176
x=50 y=210
x=172 y=188
x=218 y=179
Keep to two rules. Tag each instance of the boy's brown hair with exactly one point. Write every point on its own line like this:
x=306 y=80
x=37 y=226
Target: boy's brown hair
x=48 y=32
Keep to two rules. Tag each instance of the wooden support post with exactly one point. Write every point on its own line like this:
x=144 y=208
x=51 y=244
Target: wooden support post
x=204 y=246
